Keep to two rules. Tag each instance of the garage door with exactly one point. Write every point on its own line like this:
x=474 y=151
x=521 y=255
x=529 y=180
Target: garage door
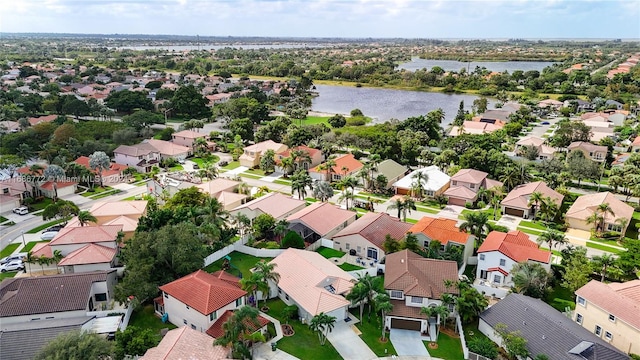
x=405 y=324
x=456 y=201
x=514 y=212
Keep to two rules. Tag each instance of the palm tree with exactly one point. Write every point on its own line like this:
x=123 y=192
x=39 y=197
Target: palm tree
x=287 y=165
x=299 y=183
x=420 y=180
x=622 y=222
x=448 y=299
x=398 y=204
x=372 y=164
x=267 y=272
x=29 y=259
x=280 y=229
x=529 y=279
x=237 y=328
x=25 y=151
x=496 y=197
x=552 y=238
x=604 y=209
x=199 y=145
x=358 y=295
x=328 y=165
x=364 y=175
x=251 y=284
x=209 y=170
x=242 y=223
x=35 y=171
x=346 y=195
x=549 y=209
x=440 y=311
x=601 y=263
x=322 y=191
x=55 y=173
x=300 y=157
x=476 y=223
x=323 y=324
x=383 y=305
x=372 y=285
x=85 y=217
x=470 y=303
x=535 y=199
x=57 y=256
x=596 y=219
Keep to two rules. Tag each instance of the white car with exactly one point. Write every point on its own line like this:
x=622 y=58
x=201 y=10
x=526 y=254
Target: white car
x=48 y=235
x=22 y=210
x=14 y=257
x=15 y=265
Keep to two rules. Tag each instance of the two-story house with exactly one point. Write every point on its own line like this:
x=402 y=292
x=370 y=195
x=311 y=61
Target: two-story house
x=188 y=137
x=414 y=282
x=142 y=157
x=596 y=153
x=344 y=165
x=304 y=158
x=446 y=232
x=544 y=151
x=251 y=154
x=612 y=312
x=465 y=185
x=499 y=253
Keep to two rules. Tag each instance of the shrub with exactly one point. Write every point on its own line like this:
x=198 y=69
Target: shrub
x=294 y=240
x=500 y=228
x=356 y=121
x=468 y=205
x=483 y=346
x=271 y=245
x=481 y=204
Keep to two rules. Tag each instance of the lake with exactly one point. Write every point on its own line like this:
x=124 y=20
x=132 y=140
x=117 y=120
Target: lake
x=386 y=104
x=218 y=47
x=453 y=65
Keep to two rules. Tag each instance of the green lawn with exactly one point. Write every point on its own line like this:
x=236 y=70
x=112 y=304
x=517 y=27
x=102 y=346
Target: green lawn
x=313 y=120
x=239 y=262
x=282 y=182
x=449 y=348
x=471 y=331
x=372 y=332
x=210 y=158
x=329 y=253
x=9 y=249
x=349 y=267
x=3 y=219
x=44 y=226
x=232 y=165
x=427 y=209
x=372 y=195
x=176 y=168
x=251 y=176
x=560 y=297
x=593 y=245
x=8 y=274
x=487 y=211
x=30 y=246
x=105 y=194
x=411 y=221
x=530 y=231
x=533 y=224
x=304 y=342
x=40 y=205
x=97 y=190
x=632 y=230
x=145 y=318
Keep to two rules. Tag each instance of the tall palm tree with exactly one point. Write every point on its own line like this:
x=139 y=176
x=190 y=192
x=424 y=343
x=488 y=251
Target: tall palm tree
x=300 y=157
x=242 y=223
x=496 y=197
x=383 y=305
x=57 y=256
x=439 y=312
x=549 y=209
x=535 y=199
x=346 y=195
x=328 y=166
x=85 y=217
x=552 y=238
x=280 y=229
x=287 y=165
x=397 y=204
x=322 y=191
x=237 y=328
x=602 y=263
x=251 y=284
x=604 y=209
x=622 y=222
x=357 y=296
x=470 y=303
x=267 y=272
x=300 y=181
x=476 y=223
x=420 y=180
x=372 y=164
x=596 y=219
x=323 y=324
x=448 y=299
x=35 y=171
x=409 y=205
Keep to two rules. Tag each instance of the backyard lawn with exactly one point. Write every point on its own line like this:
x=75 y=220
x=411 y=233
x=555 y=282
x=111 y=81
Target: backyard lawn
x=560 y=297
x=240 y=264
x=371 y=334
x=145 y=318
x=232 y=165
x=40 y=205
x=349 y=267
x=304 y=342
x=449 y=348
x=313 y=120
x=9 y=249
x=488 y=211
x=200 y=161
x=329 y=253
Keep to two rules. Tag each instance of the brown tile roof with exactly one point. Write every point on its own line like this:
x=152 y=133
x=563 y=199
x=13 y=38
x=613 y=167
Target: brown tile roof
x=619 y=299
x=265 y=145
x=441 y=229
x=218 y=185
x=322 y=217
x=167 y=147
x=418 y=276
x=217 y=331
x=401 y=309
x=186 y=344
x=90 y=254
x=515 y=245
x=470 y=176
x=60 y=184
x=586 y=205
x=586 y=146
x=461 y=192
x=203 y=291
x=519 y=196
x=135 y=150
x=47 y=294
x=86 y=234
x=115 y=208
x=189 y=134
x=42 y=249
x=274 y=204
x=36 y=120
x=375 y=227
x=114 y=168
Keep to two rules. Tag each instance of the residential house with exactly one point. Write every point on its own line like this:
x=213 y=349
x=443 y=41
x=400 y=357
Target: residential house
x=217 y=329
x=167 y=149
x=9 y=127
x=12 y=192
x=320 y=220
x=544 y=151
x=594 y=152
x=122 y=213
x=434 y=182
x=112 y=175
x=391 y=170
x=414 y=282
x=586 y=205
x=225 y=190
x=42 y=119
x=199 y=299
x=251 y=154
x=48 y=188
x=70 y=239
x=611 y=312
x=65 y=296
x=498 y=254
x=345 y=165
x=315 y=158
x=517 y=201
x=186 y=343
x=142 y=156
x=311 y=282
x=443 y=230
x=188 y=137
x=276 y=204
x=465 y=185
x=474 y=128
x=91 y=257
x=550 y=104
x=365 y=237
x=547 y=331
x=635 y=145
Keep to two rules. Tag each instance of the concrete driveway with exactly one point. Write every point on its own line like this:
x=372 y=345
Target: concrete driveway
x=408 y=343
x=348 y=344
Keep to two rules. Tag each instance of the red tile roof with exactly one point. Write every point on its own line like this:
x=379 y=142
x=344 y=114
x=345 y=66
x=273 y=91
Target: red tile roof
x=322 y=217
x=60 y=184
x=515 y=245
x=375 y=227
x=443 y=230
x=114 y=168
x=90 y=254
x=86 y=234
x=499 y=269
x=217 y=331
x=203 y=291
x=347 y=161
x=48 y=118
x=418 y=276
x=309 y=150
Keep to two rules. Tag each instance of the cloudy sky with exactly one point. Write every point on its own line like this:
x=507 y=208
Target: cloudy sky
x=329 y=18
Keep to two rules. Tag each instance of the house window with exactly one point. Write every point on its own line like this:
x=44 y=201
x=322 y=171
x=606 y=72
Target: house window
x=608 y=335
x=454 y=183
x=193 y=326
x=213 y=316
x=348 y=246
x=416 y=300
x=279 y=291
x=359 y=249
x=481 y=256
x=429 y=193
x=581 y=301
x=184 y=321
x=497 y=279
x=614 y=227
x=286 y=296
x=472 y=186
x=396 y=294
x=166 y=296
x=612 y=318
x=187 y=307
x=503 y=262
x=598 y=330
x=101 y=297
x=579 y=319
x=238 y=302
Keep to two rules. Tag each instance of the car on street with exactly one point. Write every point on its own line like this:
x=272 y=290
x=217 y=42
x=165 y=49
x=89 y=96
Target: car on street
x=223 y=163
x=22 y=210
x=196 y=167
x=54 y=228
x=546 y=123
x=48 y=235
x=16 y=265
x=13 y=257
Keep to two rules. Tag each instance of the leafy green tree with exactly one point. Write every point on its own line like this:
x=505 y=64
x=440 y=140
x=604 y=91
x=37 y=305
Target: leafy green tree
x=577 y=269
x=127 y=101
x=294 y=240
x=85 y=217
x=323 y=324
x=142 y=118
x=54 y=173
x=78 y=346
x=267 y=161
x=530 y=279
x=337 y=121
x=238 y=332
x=61 y=209
x=189 y=102
x=391 y=245
x=263 y=226
x=322 y=191
x=99 y=162
x=482 y=345
x=629 y=261
x=242 y=127
x=514 y=343
x=187 y=198
x=470 y=303
x=134 y=341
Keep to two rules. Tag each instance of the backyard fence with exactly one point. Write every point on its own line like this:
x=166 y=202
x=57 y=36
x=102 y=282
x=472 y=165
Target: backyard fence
x=465 y=350
x=474 y=356
x=239 y=247
x=219 y=254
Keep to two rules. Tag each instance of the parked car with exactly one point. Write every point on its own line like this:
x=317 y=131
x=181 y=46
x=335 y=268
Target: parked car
x=16 y=265
x=545 y=123
x=181 y=161
x=14 y=257
x=196 y=167
x=48 y=235
x=22 y=210
x=54 y=228
x=223 y=163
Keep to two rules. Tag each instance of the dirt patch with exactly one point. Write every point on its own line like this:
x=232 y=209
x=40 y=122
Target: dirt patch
x=449 y=332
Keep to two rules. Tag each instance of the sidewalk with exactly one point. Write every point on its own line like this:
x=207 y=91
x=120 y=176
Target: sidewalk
x=263 y=351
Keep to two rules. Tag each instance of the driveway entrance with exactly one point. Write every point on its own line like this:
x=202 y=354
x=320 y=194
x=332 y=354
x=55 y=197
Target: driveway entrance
x=408 y=343
x=348 y=343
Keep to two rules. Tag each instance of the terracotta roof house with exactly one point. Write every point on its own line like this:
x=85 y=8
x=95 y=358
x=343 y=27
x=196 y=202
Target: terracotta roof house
x=42 y=119
x=70 y=239
x=544 y=151
x=365 y=236
x=217 y=330
x=107 y=211
x=167 y=149
x=516 y=202
x=499 y=253
x=225 y=191
x=546 y=330
x=391 y=170
x=465 y=185
x=345 y=165
x=185 y=343
x=587 y=205
x=68 y=295
x=413 y=282
x=12 y=192
x=187 y=138
x=551 y=104
x=594 y=152
x=474 y=128
x=315 y=158
x=91 y=257
x=113 y=175
x=276 y=204
x=49 y=188
x=142 y=156
x=445 y=231
x=199 y=299
x=311 y=282
x=251 y=155
x=320 y=220
x=436 y=182
x=611 y=312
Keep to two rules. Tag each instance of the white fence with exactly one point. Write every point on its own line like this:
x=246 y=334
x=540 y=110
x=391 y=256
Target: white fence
x=465 y=350
x=322 y=242
x=359 y=273
x=474 y=356
x=239 y=247
x=219 y=254
x=485 y=288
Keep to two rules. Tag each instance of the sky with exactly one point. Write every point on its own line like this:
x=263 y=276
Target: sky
x=329 y=18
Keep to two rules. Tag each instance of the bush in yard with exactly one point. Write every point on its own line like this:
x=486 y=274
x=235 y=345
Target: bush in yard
x=294 y=240
x=483 y=346
x=289 y=312
x=481 y=204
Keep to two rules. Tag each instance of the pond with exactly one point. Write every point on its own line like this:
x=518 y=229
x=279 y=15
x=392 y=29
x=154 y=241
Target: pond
x=417 y=63
x=386 y=104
